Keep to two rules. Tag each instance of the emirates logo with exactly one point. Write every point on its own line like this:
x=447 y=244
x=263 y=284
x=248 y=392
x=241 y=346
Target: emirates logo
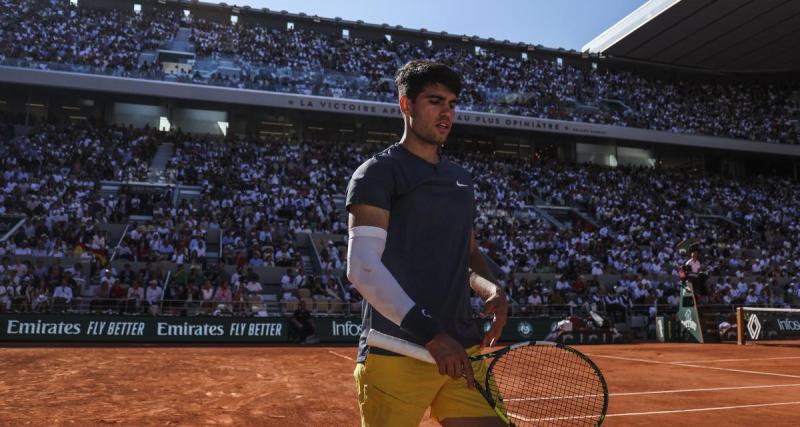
x=754 y=327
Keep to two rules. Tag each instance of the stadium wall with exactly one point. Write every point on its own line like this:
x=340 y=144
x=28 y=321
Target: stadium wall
x=235 y=96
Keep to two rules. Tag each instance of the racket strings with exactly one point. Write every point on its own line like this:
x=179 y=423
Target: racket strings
x=547 y=385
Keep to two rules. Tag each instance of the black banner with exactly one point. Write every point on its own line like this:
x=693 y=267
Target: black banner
x=348 y=329
x=87 y=328
x=338 y=329
x=91 y=328
x=771 y=325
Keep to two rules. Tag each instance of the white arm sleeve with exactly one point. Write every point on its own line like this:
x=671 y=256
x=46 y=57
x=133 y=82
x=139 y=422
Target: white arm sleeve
x=372 y=279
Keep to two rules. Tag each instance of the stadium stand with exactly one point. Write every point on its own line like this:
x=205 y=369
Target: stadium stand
x=262 y=213
x=137 y=220
x=306 y=61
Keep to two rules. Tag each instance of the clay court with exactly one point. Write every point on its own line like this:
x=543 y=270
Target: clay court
x=649 y=385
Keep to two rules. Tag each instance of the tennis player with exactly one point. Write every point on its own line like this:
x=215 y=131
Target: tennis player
x=412 y=255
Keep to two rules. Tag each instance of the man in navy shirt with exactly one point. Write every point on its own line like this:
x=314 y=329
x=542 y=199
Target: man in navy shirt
x=412 y=254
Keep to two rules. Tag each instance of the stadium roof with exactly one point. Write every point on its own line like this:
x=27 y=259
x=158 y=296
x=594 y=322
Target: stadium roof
x=718 y=35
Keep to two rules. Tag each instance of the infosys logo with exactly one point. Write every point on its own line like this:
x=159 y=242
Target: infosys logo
x=346 y=329
x=789 y=325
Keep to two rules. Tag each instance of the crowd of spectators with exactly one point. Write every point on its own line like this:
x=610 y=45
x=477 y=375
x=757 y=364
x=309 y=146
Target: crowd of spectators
x=35 y=286
x=540 y=87
x=52 y=178
x=262 y=192
x=259 y=193
x=58 y=32
x=308 y=62
x=256 y=194
x=641 y=215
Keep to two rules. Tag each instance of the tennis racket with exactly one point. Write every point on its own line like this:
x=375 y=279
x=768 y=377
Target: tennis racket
x=529 y=383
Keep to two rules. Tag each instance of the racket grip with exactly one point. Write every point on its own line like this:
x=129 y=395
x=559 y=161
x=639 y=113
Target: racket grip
x=399 y=346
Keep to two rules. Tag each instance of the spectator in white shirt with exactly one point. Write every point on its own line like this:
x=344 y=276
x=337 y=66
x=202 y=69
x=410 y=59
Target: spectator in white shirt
x=299 y=279
x=534 y=298
x=62 y=297
x=207 y=291
x=288 y=286
x=153 y=293
x=286 y=280
x=253 y=287
x=135 y=297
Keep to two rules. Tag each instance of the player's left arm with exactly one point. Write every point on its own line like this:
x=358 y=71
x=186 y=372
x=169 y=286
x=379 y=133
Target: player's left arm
x=482 y=282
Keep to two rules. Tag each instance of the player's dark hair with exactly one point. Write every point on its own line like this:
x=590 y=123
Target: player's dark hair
x=413 y=77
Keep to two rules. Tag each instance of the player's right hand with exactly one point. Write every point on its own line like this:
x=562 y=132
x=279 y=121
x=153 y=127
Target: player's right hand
x=451 y=358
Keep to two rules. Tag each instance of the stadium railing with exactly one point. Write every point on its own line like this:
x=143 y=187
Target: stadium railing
x=252 y=305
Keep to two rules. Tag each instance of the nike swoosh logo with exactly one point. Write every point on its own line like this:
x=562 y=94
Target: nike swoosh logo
x=461 y=185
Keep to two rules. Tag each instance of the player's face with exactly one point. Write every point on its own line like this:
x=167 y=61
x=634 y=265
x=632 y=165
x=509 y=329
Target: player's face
x=431 y=116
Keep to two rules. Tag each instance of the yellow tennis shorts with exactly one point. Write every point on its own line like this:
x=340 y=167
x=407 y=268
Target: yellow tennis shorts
x=395 y=391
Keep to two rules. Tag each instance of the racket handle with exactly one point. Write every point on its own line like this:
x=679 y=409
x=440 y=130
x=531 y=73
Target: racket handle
x=399 y=346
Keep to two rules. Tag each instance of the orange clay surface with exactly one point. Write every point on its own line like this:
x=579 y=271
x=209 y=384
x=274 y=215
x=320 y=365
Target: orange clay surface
x=650 y=385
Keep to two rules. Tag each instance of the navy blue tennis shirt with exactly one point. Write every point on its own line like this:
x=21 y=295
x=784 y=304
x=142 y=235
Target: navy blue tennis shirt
x=431 y=213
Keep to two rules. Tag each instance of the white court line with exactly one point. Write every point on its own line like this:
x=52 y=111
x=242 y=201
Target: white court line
x=340 y=355
x=739 y=360
x=526 y=419
x=717 y=408
x=695 y=366
x=639 y=393
x=632 y=414
x=737 y=370
x=696 y=390
x=628 y=358
x=530 y=399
